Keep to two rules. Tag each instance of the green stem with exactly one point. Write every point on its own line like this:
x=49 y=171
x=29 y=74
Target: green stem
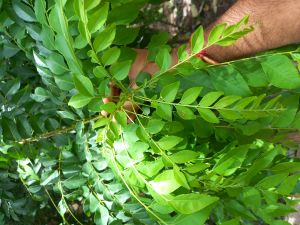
x=251 y=57
x=57 y=131
x=156 y=78
x=209 y=107
x=53 y=203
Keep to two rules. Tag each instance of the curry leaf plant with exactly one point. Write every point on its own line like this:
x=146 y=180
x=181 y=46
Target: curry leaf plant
x=201 y=144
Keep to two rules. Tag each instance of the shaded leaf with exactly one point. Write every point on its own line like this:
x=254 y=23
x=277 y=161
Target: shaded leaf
x=185 y=113
x=169 y=142
x=23 y=11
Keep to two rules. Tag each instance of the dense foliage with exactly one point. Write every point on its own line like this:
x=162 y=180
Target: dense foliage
x=208 y=143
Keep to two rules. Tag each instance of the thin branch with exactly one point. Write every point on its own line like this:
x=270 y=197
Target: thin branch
x=57 y=131
x=211 y=107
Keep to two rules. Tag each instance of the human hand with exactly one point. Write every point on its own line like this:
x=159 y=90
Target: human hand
x=140 y=64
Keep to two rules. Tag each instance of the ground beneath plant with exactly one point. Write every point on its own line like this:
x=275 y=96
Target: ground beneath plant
x=181 y=17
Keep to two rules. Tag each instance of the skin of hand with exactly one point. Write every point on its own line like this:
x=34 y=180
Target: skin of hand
x=276 y=23
x=141 y=64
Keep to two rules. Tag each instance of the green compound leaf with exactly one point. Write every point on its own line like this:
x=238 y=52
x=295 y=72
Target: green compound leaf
x=185 y=113
x=210 y=98
x=111 y=56
x=150 y=168
x=120 y=70
x=180 y=177
x=183 y=156
x=23 y=11
x=121 y=118
x=172 y=165
x=79 y=100
x=40 y=11
x=98 y=18
x=164 y=111
x=182 y=53
x=94 y=203
x=100 y=72
x=191 y=203
x=56 y=64
x=109 y=107
x=154 y=126
x=208 y=115
x=83 y=85
x=190 y=95
x=105 y=38
x=231 y=161
x=163 y=59
x=165 y=183
x=169 y=142
x=226 y=101
x=169 y=92
x=216 y=33
x=228 y=35
x=286 y=167
x=281 y=72
x=197 y=41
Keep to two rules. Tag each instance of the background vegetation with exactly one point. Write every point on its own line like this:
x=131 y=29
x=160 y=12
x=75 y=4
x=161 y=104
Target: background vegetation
x=209 y=143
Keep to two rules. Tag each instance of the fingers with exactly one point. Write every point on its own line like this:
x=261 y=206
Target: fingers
x=131 y=110
x=137 y=66
x=128 y=106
